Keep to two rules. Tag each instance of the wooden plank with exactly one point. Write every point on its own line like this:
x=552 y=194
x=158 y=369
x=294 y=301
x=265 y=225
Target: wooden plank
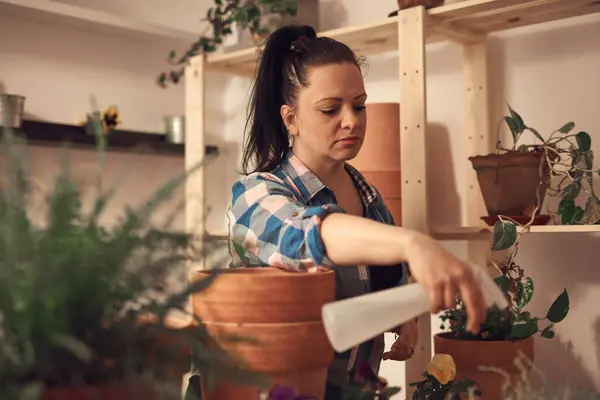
x=461 y=9
x=477 y=140
x=89 y=19
x=534 y=19
x=483 y=232
x=413 y=119
x=195 y=150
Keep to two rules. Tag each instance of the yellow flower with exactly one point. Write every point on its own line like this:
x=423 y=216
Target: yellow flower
x=442 y=368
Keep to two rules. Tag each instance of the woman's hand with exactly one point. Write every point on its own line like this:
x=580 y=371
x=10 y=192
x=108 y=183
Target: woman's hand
x=444 y=277
x=404 y=346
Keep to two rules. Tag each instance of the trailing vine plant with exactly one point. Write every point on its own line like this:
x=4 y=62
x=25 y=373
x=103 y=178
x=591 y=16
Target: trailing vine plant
x=246 y=14
x=569 y=159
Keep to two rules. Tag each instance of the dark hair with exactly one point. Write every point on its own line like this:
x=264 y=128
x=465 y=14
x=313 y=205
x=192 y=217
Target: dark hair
x=283 y=67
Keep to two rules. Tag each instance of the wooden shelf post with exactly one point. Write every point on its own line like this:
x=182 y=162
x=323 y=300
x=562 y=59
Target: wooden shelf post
x=477 y=140
x=195 y=149
x=413 y=119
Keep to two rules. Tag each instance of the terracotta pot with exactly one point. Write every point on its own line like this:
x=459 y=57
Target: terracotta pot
x=379 y=156
x=469 y=355
x=281 y=311
x=510 y=182
x=402 y=4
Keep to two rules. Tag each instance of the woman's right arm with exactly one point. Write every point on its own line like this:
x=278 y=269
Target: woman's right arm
x=272 y=225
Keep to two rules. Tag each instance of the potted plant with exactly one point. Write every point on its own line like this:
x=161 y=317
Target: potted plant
x=83 y=308
x=506 y=332
x=257 y=17
x=514 y=181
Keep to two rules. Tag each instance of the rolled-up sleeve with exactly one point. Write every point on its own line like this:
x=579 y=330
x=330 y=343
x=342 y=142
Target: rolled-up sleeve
x=268 y=225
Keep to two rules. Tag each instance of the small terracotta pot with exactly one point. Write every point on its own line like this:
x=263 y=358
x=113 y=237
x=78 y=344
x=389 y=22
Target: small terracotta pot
x=510 y=182
x=279 y=310
x=469 y=355
x=402 y=4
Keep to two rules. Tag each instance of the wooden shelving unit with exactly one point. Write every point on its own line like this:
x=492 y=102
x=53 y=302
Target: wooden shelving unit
x=467 y=23
x=48 y=11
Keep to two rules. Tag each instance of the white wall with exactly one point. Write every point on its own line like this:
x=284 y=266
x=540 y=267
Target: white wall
x=549 y=74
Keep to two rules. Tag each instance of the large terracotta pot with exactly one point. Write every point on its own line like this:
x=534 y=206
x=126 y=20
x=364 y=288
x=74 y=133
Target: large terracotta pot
x=469 y=355
x=511 y=182
x=379 y=156
x=279 y=309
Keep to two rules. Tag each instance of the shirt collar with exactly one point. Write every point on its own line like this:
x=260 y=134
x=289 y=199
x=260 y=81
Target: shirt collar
x=309 y=184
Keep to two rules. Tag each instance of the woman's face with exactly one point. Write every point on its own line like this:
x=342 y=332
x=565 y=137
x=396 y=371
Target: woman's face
x=328 y=123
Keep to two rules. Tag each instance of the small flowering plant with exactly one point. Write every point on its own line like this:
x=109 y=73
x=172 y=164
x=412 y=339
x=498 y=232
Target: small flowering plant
x=439 y=382
x=368 y=386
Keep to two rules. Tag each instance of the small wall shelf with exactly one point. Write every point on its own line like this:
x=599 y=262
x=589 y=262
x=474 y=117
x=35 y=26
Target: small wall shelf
x=67 y=14
x=42 y=133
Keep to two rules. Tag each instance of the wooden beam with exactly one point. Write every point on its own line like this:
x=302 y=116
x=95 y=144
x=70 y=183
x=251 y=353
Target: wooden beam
x=195 y=149
x=477 y=140
x=413 y=119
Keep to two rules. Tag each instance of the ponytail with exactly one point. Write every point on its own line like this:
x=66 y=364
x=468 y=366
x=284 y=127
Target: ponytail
x=282 y=70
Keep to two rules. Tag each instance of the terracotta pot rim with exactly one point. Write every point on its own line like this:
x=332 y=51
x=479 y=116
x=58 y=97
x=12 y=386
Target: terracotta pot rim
x=265 y=271
x=317 y=324
x=444 y=336
x=507 y=154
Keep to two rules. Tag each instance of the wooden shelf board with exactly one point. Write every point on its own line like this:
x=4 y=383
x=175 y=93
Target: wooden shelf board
x=42 y=133
x=498 y=15
x=58 y=13
x=484 y=232
x=466 y=21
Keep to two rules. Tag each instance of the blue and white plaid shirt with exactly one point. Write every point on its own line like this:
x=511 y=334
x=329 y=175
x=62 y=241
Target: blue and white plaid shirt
x=275 y=219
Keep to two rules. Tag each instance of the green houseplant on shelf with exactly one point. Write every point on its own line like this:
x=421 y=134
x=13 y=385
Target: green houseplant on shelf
x=84 y=312
x=515 y=181
x=506 y=332
x=250 y=15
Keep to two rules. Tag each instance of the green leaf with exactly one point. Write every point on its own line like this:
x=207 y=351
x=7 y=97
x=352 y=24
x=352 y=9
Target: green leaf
x=525 y=292
x=566 y=128
x=571 y=191
x=172 y=55
x=548 y=333
x=514 y=128
x=505 y=235
x=503 y=282
x=584 y=141
x=569 y=213
x=560 y=308
x=524 y=327
x=517 y=119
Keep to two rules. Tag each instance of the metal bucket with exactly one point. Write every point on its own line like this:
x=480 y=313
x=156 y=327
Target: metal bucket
x=175 y=129
x=12 y=107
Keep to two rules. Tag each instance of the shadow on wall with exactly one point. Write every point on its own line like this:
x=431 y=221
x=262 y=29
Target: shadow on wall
x=556 y=262
x=441 y=182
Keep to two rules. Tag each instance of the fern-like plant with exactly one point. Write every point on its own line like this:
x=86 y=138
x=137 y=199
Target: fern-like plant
x=85 y=305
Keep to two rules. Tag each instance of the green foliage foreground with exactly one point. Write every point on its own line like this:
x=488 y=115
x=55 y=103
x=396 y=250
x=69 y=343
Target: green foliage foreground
x=72 y=292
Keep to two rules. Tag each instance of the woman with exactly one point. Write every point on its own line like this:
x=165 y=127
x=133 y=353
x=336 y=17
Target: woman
x=302 y=207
